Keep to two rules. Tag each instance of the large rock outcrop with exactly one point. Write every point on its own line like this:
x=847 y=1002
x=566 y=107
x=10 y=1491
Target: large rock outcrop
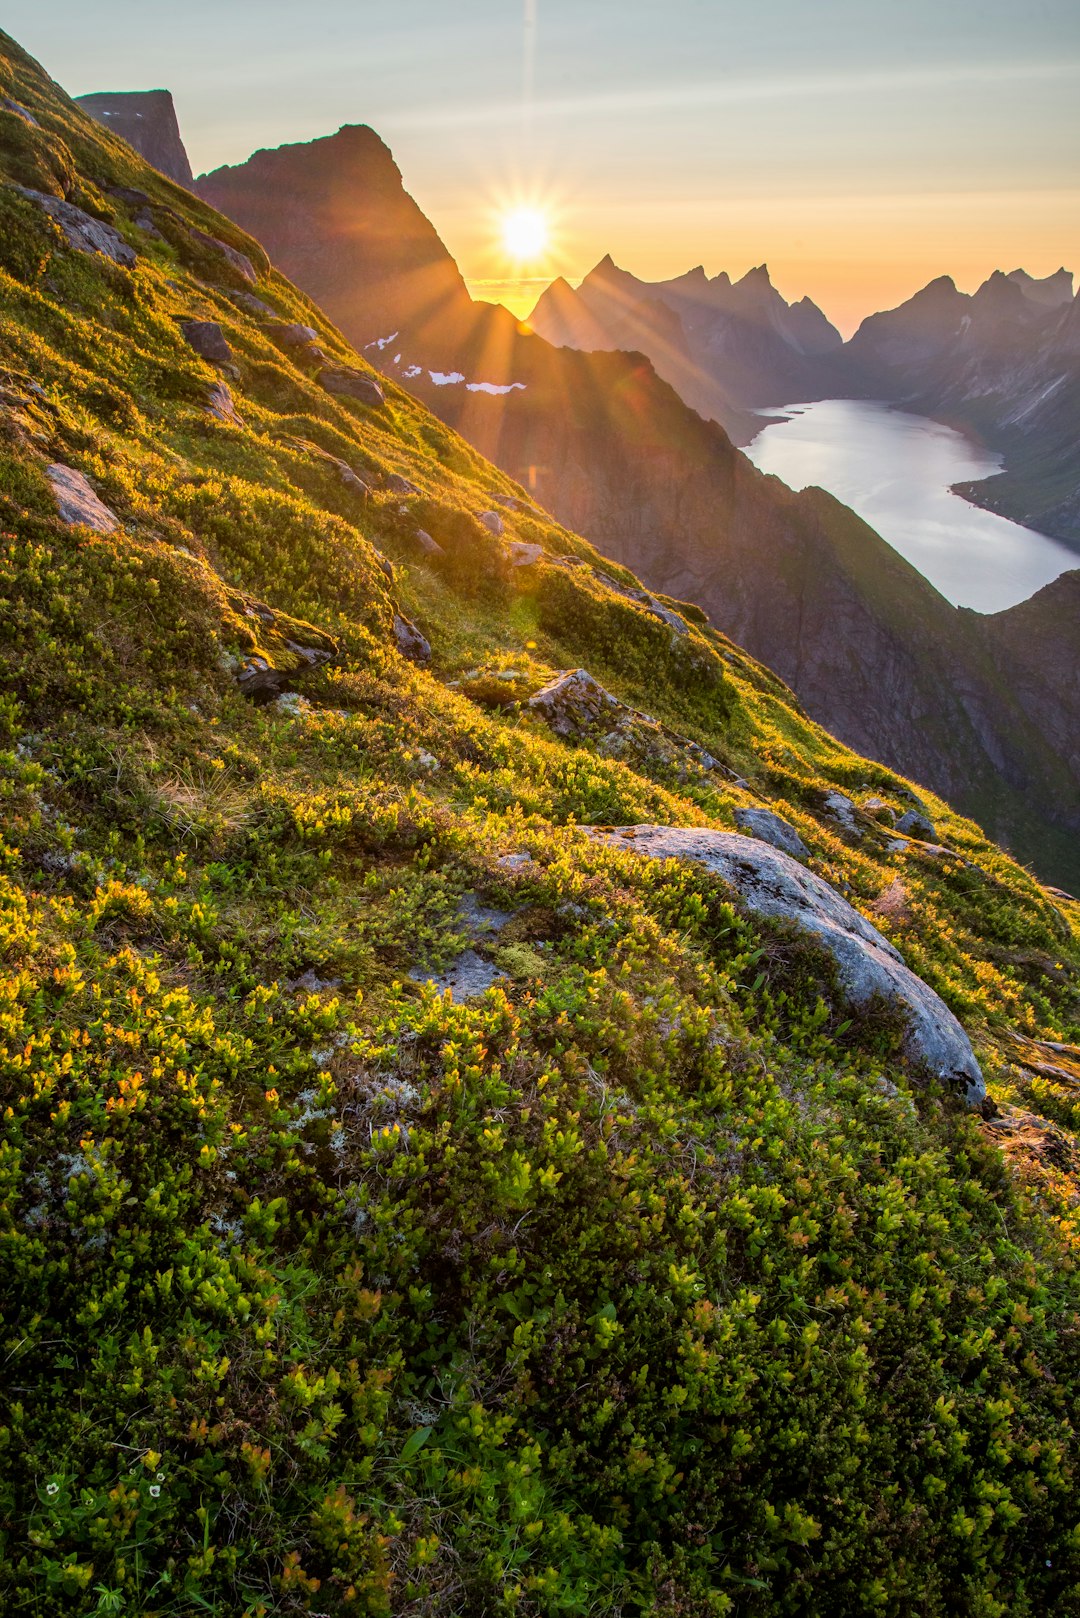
x=770 y=883
x=146 y=119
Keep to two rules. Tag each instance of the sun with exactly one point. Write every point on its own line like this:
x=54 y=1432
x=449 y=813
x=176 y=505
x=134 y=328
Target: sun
x=524 y=233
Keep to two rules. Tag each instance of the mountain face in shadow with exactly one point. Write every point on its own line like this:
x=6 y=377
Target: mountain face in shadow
x=146 y=119
x=613 y=450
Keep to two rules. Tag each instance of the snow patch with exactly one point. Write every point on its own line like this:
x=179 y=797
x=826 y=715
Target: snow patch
x=443 y=379
x=494 y=387
x=381 y=342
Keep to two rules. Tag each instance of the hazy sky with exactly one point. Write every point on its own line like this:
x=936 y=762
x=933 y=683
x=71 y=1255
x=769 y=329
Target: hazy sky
x=859 y=147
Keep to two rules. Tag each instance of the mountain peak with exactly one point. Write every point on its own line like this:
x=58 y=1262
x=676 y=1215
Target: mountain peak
x=146 y=119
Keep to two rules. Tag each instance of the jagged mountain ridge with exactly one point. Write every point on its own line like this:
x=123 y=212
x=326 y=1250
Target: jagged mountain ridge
x=614 y=453
x=411 y=1201
x=724 y=346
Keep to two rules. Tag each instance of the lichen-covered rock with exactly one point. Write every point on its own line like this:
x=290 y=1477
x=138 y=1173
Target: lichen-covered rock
x=236 y=261
x=208 y=340
x=573 y=702
x=468 y=975
x=76 y=501
x=394 y=483
x=82 y=231
x=772 y=829
x=770 y=883
x=429 y=546
x=349 y=383
x=410 y=642
x=840 y=810
x=492 y=522
x=524 y=554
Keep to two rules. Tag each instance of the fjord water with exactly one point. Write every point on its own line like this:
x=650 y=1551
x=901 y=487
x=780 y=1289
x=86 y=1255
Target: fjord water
x=895 y=470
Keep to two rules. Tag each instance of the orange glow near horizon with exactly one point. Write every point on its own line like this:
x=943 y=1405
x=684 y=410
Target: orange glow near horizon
x=852 y=254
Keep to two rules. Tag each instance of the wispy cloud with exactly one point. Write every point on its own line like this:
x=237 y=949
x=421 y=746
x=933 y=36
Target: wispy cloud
x=735 y=92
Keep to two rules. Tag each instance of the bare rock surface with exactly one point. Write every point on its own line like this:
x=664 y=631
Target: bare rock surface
x=772 y=884
x=492 y=522
x=916 y=824
x=76 y=501
x=83 y=232
x=468 y=975
x=772 y=828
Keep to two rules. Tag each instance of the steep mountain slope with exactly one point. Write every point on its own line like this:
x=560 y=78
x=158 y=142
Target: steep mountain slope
x=870 y=647
x=147 y=120
x=649 y=1269
x=722 y=345
x=1003 y=362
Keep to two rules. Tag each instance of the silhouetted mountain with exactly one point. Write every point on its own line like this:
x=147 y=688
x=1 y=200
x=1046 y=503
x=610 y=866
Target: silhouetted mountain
x=147 y=120
x=724 y=345
x=613 y=450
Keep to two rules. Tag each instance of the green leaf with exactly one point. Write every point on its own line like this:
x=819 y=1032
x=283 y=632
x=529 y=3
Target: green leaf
x=415 y=1443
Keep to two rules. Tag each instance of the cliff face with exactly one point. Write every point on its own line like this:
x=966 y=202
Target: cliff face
x=609 y=447
x=146 y=119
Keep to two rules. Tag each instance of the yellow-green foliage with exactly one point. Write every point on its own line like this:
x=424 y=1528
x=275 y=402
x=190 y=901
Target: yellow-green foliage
x=648 y=1281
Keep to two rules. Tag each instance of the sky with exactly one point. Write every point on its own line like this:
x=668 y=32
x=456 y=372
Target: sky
x=857 y=147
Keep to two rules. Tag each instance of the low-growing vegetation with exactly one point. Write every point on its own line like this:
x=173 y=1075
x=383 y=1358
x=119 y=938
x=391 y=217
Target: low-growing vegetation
x=651 y=1279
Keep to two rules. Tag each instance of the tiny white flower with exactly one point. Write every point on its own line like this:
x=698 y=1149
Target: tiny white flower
x=155 y=1490
x=52 y=1488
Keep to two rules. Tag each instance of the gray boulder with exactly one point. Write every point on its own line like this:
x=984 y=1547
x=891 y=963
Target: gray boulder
x=208 y=340
x=916 y=824
x=410 y=642
x=840 y=810
x=574 y=702
x=524 y=554
x=19 y=111
x=429 y=546
x=772 y=829
x=394 y=483
x=772 y=884
x=349 y=383
x=76 y=501
x=81 y=231
x=492 y=522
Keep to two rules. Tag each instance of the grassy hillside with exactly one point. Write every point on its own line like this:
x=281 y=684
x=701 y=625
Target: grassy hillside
x=648 y=1280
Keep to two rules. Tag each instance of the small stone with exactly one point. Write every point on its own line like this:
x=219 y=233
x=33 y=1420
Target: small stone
x=573 y=702
x=76 y=501
x=514 y=862
x=492 y=522
x=394 y=483
x=208 y=340
x=410 y=642
x=524 y=554
x=429 y=546
x=772 y=829
x=349 y=383
x=219 y=404
x=18 y=110
x=917 y=824
x=840 y=809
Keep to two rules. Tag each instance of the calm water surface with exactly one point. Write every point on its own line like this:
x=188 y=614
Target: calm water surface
x=895 y=470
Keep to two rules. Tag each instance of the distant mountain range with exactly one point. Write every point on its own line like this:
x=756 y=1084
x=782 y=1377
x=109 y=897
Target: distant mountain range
x=609 y=446
x=1003 y=363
